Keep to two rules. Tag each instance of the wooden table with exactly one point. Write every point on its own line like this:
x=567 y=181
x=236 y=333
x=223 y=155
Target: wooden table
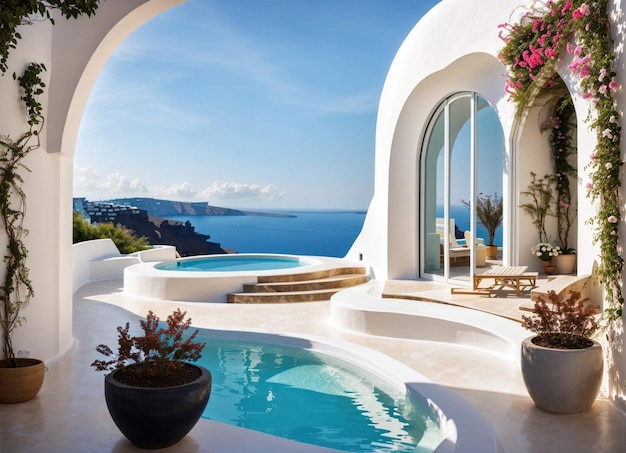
x=511 y=276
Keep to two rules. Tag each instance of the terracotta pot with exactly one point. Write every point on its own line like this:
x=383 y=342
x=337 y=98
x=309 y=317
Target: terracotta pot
x=565 y=264
x=548 y=267
x=562 y=381
x=21 y=383
x=157 y=417
x=492 y=252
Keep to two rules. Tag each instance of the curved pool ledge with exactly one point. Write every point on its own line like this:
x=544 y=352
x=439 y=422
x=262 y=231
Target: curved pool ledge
x=145 y=280
x=363 y=310
x=464 y=428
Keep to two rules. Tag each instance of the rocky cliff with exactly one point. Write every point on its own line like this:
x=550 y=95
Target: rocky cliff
x=168 y=208
x=168 y=232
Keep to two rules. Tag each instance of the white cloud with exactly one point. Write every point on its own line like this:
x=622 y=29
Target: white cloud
x=176 y=191
x=118 y=185
x=92 y=185
x=238 y=191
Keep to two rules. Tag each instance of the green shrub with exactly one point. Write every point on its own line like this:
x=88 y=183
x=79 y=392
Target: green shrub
x=122 y=237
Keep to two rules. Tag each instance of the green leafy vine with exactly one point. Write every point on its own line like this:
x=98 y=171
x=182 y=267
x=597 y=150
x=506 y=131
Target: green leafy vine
x=14 y=13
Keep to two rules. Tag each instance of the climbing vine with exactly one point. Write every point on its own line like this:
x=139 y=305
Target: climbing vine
x=560 y=124
x=14 y=13
x=16 y=289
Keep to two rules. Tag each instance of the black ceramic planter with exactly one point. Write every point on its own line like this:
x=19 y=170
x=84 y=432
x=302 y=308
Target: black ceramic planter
x=157 y=417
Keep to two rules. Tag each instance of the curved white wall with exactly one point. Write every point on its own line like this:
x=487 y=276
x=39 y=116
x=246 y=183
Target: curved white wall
x=431 y=64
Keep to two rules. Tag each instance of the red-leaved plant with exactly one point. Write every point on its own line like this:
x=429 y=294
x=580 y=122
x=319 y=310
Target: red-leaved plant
x=156 y=358
x=562 y=323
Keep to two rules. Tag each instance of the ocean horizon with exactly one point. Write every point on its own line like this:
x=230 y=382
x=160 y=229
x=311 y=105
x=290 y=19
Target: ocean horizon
x=315 y=232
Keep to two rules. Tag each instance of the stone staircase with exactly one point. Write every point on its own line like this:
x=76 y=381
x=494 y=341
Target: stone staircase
x=299 y=287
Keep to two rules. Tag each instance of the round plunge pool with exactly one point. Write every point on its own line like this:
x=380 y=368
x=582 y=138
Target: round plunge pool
x=233 y=263
x=209 y=278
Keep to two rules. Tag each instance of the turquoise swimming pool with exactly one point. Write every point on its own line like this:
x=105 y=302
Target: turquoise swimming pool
x=312 y=397
x=233 y=263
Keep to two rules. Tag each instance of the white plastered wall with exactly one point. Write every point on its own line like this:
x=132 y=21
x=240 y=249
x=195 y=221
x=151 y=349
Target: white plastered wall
x=431 y=64
x=74 y=53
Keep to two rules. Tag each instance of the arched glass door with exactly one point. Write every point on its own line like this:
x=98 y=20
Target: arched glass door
x=461 y=168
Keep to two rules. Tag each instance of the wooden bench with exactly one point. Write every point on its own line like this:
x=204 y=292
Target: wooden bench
x=514 y=277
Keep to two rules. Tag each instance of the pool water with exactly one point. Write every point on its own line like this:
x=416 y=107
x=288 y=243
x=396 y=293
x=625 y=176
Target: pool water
x=233 y=263
x=313 y=398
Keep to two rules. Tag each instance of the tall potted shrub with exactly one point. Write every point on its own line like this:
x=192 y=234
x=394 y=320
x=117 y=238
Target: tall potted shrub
x=154 y=396
x=560 y=125
x=489 y=213
x=561 y=364
x=21 y=378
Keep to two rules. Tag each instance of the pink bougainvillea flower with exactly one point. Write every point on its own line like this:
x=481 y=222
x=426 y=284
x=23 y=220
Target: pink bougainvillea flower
x=586 y=95
x=578 y=50
x=585 y=70
x=603 y=89
x=613 y=85
x=584 y=9
x=612 y=219
x=607 y=133
x=588 y=186
x=550 y=53
x=577 y=64
x=613 y=119
x=602 y=75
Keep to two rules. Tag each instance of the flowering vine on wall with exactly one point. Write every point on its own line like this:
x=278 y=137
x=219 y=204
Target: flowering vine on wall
x=561 y=124
x=532 y=50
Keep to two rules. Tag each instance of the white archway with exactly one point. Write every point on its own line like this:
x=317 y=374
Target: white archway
x=74 y=52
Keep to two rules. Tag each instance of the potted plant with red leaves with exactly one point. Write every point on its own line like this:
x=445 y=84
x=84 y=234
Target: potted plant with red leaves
x=561 y=364
x=154 y=395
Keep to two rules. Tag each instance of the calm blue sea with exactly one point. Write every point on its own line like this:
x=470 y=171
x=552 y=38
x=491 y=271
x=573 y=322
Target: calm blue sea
x=318 y=233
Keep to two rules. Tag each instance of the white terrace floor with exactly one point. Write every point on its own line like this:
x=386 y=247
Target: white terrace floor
x=70 y=415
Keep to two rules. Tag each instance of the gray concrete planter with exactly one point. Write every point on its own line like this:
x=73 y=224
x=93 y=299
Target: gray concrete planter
x=562 y=381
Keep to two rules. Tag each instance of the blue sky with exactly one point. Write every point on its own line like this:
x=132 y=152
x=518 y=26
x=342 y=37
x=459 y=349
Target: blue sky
x=264 y=104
